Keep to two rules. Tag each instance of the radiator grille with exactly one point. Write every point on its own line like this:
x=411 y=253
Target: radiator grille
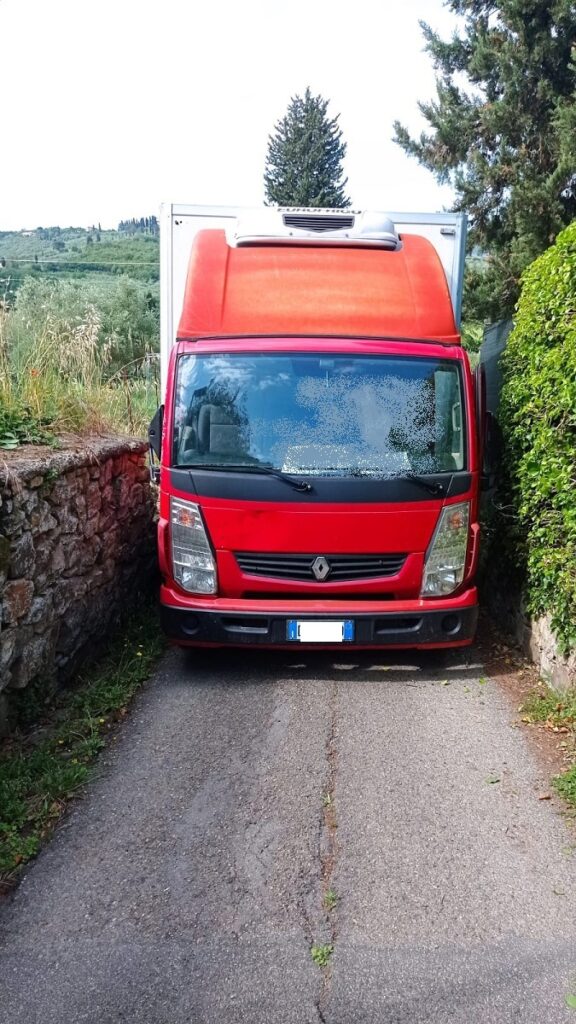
x=343 y=568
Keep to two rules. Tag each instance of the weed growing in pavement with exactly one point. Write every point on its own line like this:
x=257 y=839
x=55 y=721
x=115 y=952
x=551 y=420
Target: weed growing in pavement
x=544 y=705
x=321 y=954
x=330 y=899
x=566 y=785
x=557 y=711
x=41 y=771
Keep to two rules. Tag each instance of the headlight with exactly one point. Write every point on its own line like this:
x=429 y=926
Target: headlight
x=445 y=561
x=192 y=559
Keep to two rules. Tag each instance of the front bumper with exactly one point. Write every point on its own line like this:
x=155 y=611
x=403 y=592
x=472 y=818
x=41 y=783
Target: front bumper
x=452 y=626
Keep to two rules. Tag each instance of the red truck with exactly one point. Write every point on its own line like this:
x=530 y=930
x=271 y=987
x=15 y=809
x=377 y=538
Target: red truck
x=320 y=442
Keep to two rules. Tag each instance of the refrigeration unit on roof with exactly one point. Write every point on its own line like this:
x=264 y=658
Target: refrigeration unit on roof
x=292 y=225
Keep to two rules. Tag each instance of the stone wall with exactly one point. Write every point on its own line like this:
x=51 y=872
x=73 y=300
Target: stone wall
x=534 y=636
x=76 y=544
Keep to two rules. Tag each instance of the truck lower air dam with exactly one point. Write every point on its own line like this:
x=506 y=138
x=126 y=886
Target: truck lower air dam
x=362 y=631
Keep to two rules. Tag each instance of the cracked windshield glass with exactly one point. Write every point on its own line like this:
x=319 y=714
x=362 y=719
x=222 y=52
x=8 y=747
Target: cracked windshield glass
x=320 y=415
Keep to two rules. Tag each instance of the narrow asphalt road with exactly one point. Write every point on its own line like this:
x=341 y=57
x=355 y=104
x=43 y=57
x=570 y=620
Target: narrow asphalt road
x=188 y=886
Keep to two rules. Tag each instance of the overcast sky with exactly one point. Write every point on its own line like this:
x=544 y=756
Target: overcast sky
x=110 y=107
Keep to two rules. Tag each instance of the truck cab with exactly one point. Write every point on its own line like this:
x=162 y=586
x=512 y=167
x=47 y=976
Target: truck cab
x=319 y=444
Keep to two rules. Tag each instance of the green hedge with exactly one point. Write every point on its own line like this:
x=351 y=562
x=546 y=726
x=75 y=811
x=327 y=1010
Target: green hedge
x=538 y=418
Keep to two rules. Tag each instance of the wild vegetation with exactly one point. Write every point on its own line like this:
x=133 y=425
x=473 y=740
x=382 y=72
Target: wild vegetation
x=79 y=332
x=49 y=756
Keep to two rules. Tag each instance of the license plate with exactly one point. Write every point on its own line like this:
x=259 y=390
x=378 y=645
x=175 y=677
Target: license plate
x=320 y=631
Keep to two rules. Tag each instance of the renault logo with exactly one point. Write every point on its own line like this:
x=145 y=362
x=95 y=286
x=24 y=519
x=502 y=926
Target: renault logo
x=320 y=568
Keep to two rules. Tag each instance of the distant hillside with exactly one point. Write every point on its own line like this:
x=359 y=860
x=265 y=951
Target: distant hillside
x=79 y=252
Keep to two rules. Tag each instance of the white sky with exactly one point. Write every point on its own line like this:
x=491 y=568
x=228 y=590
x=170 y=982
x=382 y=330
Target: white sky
x=110 y=107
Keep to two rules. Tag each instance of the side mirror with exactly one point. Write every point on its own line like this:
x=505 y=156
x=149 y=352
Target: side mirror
x=155 y=442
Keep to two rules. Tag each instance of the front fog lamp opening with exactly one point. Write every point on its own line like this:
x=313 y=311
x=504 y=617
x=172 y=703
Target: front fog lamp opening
x=445 y=562
x=193 y=563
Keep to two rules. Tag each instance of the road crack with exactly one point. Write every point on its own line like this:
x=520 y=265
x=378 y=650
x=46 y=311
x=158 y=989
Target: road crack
x=328 y=927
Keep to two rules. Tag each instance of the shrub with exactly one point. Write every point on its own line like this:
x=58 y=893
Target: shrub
x=538 y=417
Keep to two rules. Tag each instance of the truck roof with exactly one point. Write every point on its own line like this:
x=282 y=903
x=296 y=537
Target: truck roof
x=268 y=289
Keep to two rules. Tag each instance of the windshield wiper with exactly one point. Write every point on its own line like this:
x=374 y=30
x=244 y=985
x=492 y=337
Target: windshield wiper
x=432 y=486
x=298 y=485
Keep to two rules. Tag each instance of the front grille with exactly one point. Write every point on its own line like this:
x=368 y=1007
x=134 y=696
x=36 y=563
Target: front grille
x=309 y=222
x=343 y=568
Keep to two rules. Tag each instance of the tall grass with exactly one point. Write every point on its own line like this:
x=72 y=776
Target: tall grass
x=58 y=374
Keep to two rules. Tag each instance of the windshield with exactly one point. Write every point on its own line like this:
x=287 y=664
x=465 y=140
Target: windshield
x=319 y=415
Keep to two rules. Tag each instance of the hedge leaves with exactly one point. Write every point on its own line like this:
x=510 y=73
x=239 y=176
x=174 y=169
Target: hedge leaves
x=538 y=415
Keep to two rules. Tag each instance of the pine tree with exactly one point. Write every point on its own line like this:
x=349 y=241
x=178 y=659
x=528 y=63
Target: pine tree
x=305 y=154
x=506 y=142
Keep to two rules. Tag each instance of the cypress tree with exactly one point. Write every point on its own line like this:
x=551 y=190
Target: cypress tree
x=503 y=133
x=305 y=154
